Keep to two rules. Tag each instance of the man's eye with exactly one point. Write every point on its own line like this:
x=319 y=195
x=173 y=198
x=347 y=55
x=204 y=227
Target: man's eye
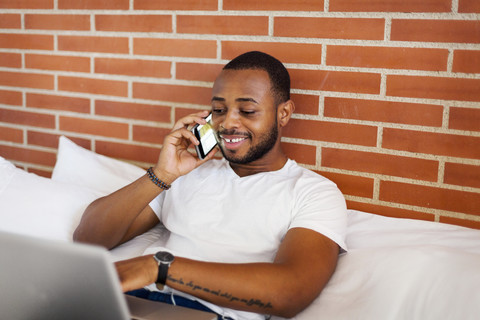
x=248 y=112
x=218 y=111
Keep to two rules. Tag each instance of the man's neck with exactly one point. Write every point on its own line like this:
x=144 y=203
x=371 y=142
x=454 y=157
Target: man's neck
x=258 y=166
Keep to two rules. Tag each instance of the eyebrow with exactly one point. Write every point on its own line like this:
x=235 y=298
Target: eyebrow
x=215 y=98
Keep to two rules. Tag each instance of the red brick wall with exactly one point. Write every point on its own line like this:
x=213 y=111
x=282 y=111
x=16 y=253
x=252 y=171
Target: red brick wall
x=387 y=92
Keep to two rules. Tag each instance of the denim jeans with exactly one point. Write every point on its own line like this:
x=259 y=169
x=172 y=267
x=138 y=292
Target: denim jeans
x=176 y=300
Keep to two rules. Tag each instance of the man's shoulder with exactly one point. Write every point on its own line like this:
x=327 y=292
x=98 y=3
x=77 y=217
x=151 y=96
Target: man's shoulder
x=294 y=169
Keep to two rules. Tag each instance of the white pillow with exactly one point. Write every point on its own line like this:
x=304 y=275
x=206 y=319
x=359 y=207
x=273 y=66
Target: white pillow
x=411 y=282
x=37 y=206
x=83 y=167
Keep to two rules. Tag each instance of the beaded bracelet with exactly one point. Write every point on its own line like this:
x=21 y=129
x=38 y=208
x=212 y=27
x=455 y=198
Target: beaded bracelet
x=157 y=181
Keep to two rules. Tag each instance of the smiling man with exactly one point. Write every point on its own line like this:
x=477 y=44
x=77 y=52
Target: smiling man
x=252 y=234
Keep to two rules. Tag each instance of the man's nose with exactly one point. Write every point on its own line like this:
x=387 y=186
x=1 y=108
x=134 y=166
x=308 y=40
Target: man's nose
x=231 y=120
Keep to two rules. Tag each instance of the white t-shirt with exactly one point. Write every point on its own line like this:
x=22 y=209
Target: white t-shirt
x=215 y=215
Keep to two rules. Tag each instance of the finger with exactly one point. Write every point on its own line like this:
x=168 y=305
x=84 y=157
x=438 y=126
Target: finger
x=183 y=136
x=209 y=156
x=198 y=117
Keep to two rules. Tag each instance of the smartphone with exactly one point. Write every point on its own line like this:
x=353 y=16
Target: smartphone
x=207 y=137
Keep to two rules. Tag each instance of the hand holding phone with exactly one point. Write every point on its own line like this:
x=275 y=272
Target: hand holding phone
x=207 y=137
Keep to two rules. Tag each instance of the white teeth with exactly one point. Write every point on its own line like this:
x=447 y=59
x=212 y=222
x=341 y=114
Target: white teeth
x=234 y=140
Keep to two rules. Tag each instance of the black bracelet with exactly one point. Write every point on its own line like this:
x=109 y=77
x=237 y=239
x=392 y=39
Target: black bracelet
x=157 y=181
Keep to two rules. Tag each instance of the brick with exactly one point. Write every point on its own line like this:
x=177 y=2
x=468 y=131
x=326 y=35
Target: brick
x=467 y=61
x=94 y=4
x=198 y=71
x=389 y=211
x=149 y=134
x=93 y=44
x=26 y=4
x=388 y=57
x=77 y=22
x=42 y=139
x=175 y=5
x=331 y=132
x=329 y=28
x=305 y=103
x=461 y=222
x=28 y=155
x=462 y=174
x=26 y=80
x=11 y=134
x=50 y=140
x=433 y=87
x=464 y=119
x=10 y=21
x=10 y=60
x=133 y=67
x=94 y=86
x=127 y=151
x=338 y=81
x=468 y=6
x=183 y=112
x=53 y=102
x=226 y=25
x=175 y=47
x=133 y=110
x=94 y=127
x=278 y=5
x=57 y=62
x=134 y=23
x=378 y=163
x=172 y=93
x=27 y=118
x=301 y=153
x=26 y=41
x=12 y=98
x=286 y=52
x=456 y=31
x=430 y=197
x=384 y=111
x=40 y=172
x=432 y=143
x=390 y=6
x=350 y=185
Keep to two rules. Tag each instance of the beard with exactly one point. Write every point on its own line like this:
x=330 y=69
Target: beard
x=266 y=143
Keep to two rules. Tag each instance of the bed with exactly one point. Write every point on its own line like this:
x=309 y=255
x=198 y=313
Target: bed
x=394 y=269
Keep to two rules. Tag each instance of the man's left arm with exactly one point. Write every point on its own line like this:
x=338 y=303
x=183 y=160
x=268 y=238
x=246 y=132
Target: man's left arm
x=302 y=267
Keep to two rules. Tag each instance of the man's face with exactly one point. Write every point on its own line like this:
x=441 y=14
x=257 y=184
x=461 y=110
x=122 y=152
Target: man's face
x=244 y=115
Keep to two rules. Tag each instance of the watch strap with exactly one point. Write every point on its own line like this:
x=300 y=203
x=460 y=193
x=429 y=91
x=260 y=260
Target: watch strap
x=162 y=272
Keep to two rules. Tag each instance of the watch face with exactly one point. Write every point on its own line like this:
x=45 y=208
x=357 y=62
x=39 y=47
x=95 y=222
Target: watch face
x=164 y=256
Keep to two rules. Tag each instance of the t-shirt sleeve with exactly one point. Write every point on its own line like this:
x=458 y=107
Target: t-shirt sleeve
x=321 y=207
x=157 y=203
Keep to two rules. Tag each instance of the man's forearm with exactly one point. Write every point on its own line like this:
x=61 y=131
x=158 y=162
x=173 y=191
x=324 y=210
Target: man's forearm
x=246 y=287
x=266 y=288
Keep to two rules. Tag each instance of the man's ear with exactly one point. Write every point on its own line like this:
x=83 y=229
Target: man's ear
x=284 y=112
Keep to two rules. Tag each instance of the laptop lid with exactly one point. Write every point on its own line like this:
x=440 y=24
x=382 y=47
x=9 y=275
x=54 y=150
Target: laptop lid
x=46 y=279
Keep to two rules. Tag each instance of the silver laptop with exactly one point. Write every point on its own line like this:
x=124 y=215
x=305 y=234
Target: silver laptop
x=45 y=279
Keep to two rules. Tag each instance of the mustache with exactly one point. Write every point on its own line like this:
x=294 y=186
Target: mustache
x=227 y=132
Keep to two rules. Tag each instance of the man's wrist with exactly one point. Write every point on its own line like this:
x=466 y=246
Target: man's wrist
x=164 y=176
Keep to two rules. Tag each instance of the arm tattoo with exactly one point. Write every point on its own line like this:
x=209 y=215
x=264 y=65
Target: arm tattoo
x=227 y=296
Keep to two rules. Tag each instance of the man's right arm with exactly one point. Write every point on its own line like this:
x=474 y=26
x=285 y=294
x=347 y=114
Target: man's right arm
x=124 y=214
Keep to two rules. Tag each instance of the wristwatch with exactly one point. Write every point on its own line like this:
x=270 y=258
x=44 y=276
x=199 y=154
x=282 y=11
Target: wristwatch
x=164 y=259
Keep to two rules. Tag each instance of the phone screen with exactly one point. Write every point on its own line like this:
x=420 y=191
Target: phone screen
x=206 y=135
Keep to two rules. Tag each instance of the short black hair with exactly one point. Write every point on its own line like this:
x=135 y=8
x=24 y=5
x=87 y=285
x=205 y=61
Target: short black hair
x=278 y=74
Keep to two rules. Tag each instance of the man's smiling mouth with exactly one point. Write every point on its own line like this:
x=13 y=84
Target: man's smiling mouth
x=234 y=140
